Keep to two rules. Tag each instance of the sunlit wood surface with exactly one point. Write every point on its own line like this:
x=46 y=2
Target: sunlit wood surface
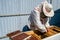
x=52 y=31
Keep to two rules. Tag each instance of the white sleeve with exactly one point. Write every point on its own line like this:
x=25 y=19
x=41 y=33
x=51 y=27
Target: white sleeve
x=47 y=23
x=36 y=20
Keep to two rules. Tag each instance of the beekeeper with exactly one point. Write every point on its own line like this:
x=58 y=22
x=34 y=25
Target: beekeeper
x=39 y=17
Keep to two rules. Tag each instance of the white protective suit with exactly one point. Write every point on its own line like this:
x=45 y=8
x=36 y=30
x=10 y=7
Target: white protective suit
x=35 y=20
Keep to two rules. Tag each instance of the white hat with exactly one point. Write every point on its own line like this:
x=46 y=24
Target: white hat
x=48 y=9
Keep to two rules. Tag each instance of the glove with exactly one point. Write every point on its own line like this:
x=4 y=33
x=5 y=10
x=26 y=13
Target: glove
x=43 y=29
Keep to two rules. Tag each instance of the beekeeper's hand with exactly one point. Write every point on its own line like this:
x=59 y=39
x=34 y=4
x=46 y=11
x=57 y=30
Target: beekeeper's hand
x=43 y=29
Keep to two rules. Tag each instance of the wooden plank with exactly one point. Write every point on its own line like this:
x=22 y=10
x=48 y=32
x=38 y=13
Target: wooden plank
x=56 y=29
x=51 y=32
x=33 y=34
